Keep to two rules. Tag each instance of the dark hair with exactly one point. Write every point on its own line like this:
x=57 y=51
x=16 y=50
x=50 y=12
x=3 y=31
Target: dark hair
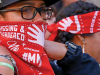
x=57 y=6
x=76 y=8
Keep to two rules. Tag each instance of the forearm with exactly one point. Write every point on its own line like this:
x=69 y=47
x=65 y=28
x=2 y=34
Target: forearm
x=55 y=50
x=79 y=64
x=4 y=70
x=71 y=59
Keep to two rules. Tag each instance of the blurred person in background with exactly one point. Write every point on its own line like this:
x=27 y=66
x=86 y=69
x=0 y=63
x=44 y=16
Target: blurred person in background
x=57 y=7
x=22 y=23
x=84 y=40
x=79 y=23
x=96 y=2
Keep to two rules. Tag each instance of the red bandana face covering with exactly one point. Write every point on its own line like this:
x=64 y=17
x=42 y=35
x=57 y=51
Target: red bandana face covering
x=78 y=24
x=25 y=42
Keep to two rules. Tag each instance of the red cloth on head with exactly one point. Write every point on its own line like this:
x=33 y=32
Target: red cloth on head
x=78 y=24
x=81 y=24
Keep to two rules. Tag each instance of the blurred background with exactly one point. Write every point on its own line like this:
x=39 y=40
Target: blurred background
x=96 y=2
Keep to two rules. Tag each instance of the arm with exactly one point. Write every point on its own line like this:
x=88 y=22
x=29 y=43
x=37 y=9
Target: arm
x=75 y=64
x=55 y=50
x=4 y=70
x=79 y=64
x=47 y=35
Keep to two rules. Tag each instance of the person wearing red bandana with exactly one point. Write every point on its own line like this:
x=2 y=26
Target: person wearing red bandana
x=23 y=50
x=22 y=31
x=81 y=26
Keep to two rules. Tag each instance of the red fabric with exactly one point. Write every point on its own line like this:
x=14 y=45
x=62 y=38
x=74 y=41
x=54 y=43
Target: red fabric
x=25 y=42
x=78 y=24
x=54 y=30
x=81 y=24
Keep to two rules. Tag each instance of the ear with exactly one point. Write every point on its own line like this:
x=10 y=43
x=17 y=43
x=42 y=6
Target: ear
x=82 y=38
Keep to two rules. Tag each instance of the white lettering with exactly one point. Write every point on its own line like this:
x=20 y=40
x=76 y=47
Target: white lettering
x=9 y=28
x=18 y=36
x=38 y=58
x=22 y=29
x=15 y=27
x=14 y=35
x=22 y=37
x=35 y=58
x=31 y=58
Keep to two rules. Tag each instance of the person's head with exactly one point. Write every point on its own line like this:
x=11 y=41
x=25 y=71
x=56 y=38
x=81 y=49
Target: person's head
x=25 y=10
x=89 y=42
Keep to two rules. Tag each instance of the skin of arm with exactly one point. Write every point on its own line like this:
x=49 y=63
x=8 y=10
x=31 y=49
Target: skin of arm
x=55 y=50
x=47 y=35
x=4 y=70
